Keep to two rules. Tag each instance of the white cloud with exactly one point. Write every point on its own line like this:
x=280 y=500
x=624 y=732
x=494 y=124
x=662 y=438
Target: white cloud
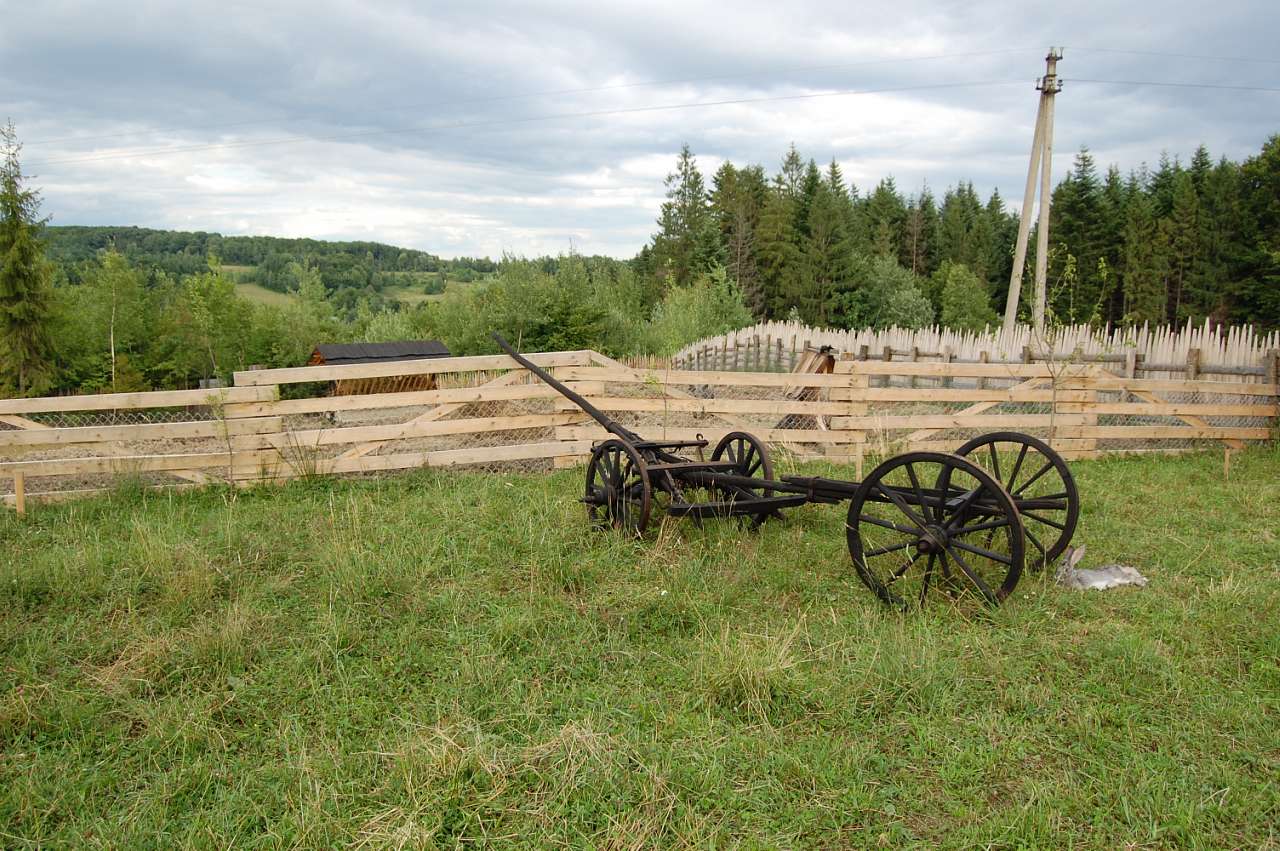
x=457 y=155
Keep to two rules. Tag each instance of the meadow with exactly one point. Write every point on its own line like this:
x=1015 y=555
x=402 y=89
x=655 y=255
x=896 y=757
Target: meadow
x=444 y=659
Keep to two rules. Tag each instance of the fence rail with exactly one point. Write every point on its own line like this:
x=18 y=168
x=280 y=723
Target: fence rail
x=492 y=413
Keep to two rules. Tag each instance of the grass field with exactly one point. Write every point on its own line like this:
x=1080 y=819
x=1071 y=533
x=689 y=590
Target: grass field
x=259 y=293
x=446 y=659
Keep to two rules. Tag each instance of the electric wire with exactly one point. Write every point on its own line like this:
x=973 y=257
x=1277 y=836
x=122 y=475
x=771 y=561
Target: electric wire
x=555 y=93
x=514 y=121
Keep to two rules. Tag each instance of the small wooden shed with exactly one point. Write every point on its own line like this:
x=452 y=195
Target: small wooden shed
x=342 y=354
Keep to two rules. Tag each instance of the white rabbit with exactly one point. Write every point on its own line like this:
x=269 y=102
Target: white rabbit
x=1107 y=576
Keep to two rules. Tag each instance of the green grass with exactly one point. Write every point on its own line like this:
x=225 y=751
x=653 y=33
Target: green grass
x=446 y=659
x=259 y=293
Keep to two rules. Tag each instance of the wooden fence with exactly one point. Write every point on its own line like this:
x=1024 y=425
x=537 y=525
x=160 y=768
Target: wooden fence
x=284 y=423
x=1148 y=352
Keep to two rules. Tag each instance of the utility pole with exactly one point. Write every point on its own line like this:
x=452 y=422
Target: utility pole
x=1041 y=162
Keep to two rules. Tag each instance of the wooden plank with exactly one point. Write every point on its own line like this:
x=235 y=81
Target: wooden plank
x=610 y=363
x=770 y=435
x=441 y=458
x=382 y=434
x=117 y=464
x=1190 y=420
x=945 y=421
x=763 y=407
x=21 y=422
x=1165 y=432
x=934 y=369
x=972 y=394
x=429 y=366
x=497 y=390
x=1178 y=385
x=443 y=411
x=82 y=493
x=152 y=431
x=1159 y=408
x=135 y=401
x=687 y=377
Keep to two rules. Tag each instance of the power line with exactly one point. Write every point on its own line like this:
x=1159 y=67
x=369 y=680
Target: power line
x=1174 y=84
x=555 y=93
x=526 y=120
x=1242 y=59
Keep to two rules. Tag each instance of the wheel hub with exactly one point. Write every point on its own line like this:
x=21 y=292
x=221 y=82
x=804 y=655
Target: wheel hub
x=934 y=540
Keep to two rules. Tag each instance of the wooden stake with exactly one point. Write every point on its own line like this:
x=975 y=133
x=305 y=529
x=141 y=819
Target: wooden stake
x=20 y=492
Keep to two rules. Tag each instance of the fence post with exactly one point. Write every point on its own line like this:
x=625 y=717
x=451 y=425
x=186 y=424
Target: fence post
x=1272 y=361
x=1193 y=364
x=983 y=357
x=20 y=492
x=855 y=393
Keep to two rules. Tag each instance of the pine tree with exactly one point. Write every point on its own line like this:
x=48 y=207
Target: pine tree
x=1144 y=288
x=687 y=243
x=885 y=213
x=809 y=187
x=775 y=249
x=1074 y=223
x=919 y=247
x=826 y=257
x=1184 y=243
x=26 y=293
x=736 y=197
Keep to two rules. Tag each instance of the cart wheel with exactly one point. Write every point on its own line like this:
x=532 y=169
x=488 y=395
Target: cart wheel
x=1040 y=483
x=748 y=453
x=618 y=492
x=906 y=540
x=751 y=459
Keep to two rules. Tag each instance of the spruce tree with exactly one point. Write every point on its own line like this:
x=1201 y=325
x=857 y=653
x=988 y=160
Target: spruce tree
x=1144 y=287
x=26 y=293
x=1184 y=244
x=687 y=243
x=777 y=256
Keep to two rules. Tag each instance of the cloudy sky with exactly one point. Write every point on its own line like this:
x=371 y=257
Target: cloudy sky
x=539 y=127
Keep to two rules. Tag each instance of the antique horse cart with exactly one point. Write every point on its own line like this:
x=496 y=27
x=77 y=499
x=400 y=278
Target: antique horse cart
x=963 y=524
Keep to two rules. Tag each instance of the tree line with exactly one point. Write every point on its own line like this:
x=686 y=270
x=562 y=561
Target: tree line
x=1176 y=243
x=116 y=309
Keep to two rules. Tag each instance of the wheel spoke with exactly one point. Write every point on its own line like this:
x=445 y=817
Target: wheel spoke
x=928 y=574
x=900 y=572
x=876 y=521
x=979 y=527
x=973 y=577
x=1033 y=539
x=1048 y=465
x=1013 y=477
x=1045 y=520
x=995 y=460
x=915 y=485
x=879 y=551
x=985 y=553
x=896 y=498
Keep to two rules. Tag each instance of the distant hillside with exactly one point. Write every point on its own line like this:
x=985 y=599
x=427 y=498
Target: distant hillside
x=372 y=268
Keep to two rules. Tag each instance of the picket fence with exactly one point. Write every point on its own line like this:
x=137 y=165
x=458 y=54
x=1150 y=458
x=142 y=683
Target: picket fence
x=280 y=424
x=1150 y=352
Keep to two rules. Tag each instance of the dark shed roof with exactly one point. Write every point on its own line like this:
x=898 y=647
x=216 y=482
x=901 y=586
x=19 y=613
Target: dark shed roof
x=340 y=353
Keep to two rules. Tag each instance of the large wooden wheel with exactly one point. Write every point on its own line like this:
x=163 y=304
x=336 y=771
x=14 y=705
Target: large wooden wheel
x=1040 y=483
x=618 y=490
x=747 y=452
x=933 y=522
